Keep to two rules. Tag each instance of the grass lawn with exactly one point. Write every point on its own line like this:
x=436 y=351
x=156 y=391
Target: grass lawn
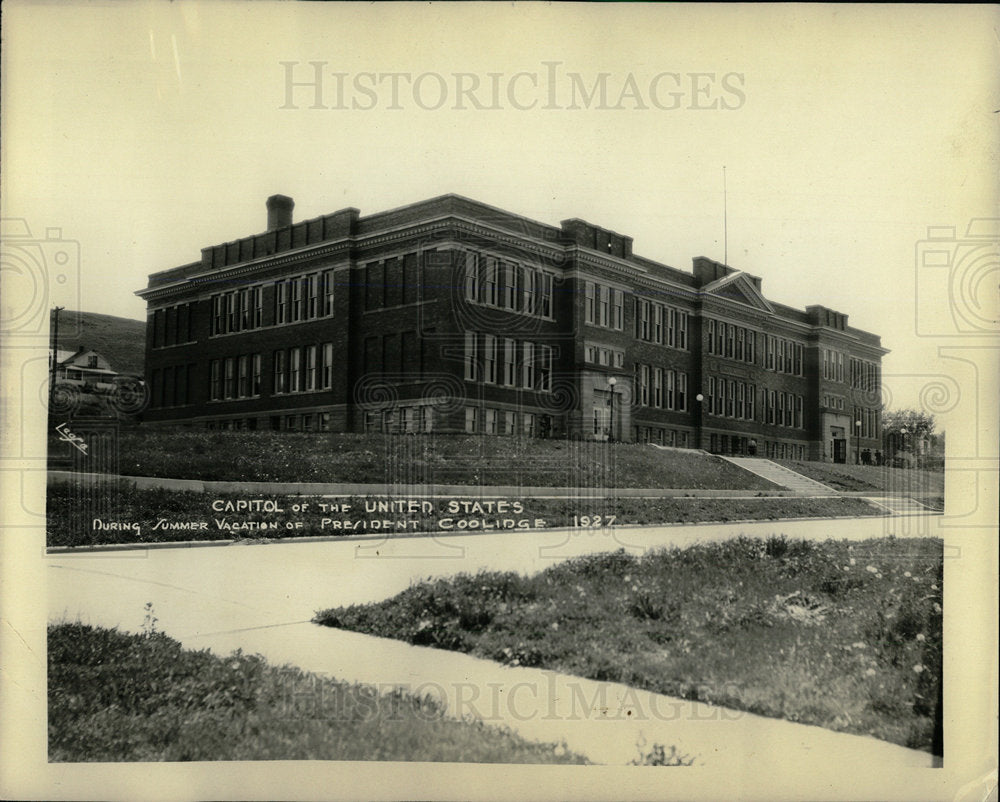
x=411 y=460
x=157 y=515
x=870 y=477
x=837 y=634
x=119 y=697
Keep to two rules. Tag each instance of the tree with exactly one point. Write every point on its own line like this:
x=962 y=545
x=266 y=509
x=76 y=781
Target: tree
x=917 y=423
x=906 y=433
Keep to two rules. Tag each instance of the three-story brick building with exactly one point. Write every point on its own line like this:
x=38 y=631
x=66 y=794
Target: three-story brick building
x=449 y=315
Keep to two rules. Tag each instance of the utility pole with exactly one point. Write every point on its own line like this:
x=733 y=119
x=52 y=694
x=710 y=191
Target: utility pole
x=55 y=354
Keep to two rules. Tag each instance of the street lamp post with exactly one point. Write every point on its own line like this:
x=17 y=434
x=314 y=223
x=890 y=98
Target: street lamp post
x=902 y=434
x=611 y=403
x=698 y=417
x=857 y=441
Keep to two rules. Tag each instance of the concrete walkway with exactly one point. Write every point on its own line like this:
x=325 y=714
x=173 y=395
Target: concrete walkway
x=261 y=598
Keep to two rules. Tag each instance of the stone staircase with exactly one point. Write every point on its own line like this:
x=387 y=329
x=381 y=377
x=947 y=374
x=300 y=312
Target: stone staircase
x=899 y=505
x=780 y=475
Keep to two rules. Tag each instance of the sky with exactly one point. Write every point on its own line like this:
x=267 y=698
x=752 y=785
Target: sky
x=811 y=146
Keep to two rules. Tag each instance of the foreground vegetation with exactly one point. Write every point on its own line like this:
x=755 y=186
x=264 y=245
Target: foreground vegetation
x=842 y=635
x=119 y=697
x=413 y=460
x=157 y=515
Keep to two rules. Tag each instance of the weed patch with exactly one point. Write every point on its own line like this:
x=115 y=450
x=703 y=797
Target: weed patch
x=119 y=697
x=839 y=634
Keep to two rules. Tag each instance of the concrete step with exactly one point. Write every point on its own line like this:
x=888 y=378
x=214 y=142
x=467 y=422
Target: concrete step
x=899 y=505
x=781 y=475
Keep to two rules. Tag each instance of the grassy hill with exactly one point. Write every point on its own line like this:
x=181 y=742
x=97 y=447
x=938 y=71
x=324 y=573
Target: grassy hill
x=120 y=340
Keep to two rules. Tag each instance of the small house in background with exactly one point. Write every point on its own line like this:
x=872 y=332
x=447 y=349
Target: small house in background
x=85 y=368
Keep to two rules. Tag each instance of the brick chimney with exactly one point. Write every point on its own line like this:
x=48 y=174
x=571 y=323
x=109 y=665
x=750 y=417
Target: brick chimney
x=279 y=211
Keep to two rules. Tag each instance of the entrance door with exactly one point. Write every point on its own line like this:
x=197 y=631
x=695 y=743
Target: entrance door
x=840 y=450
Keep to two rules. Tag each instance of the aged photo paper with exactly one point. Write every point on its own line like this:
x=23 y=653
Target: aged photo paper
x=831 y=168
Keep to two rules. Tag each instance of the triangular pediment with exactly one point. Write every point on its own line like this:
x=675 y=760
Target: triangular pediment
x=738 y=287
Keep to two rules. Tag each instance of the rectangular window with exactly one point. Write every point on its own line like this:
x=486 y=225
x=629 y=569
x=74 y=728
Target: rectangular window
x=279 y=372
x=470 y=419
x=605 y=310
x=590 y=302
x=711 y=336
x=781 y=409
x=255 y=374
x=710 y=397
x=682 y=392
x=644 y=385
x=840 y=367
x=244 y=376
x=298 y=302
x=311 y=288
x=658 y=314
x=509 y=362
x=231 y=312
x=682 y=330
x=327 y=375
x=470 y=355
x=509 y=286
x=617 y=309
x=546 y=293
x=294 y=370
x=508 y=422
x=741 y=401
x=527 y=290
x=471 y=277
x=771 y=406
x=751 y=397
x=280 y=302
x=741 y=338
x=230 y=377
x=720 y=398
x=528 y=366
x=644 y=319
x=490 y=294
x=657 y=387
x=310 y=367
x=672 y=389
x=798 y=411
x=215 y=370
x=246 y=319
x=544 y=369
x=528 y=424
x=730 y=398
x=781 y=356
x=730 y=337
x=490 y=358
x=491 y=421
x=797 y=367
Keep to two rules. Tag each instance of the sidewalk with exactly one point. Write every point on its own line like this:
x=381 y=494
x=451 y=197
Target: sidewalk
x=262 y=598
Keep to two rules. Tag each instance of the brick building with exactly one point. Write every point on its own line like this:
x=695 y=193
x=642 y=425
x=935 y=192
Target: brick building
x=449 y=315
